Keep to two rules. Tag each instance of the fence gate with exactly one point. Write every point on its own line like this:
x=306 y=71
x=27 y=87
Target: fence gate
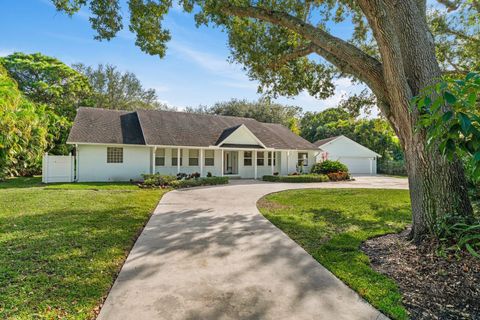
x=57 y=168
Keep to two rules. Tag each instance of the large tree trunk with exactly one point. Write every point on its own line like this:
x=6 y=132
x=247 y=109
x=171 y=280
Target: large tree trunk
x=437 y=188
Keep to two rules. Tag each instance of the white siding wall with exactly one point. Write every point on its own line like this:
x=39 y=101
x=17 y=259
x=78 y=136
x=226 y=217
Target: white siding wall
x=93 y=166
x=92 y=163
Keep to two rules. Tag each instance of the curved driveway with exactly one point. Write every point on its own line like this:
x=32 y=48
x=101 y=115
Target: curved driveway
x=207 y=253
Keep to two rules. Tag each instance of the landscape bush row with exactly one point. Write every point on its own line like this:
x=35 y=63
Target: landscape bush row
x=181 y=180
x=324 y=171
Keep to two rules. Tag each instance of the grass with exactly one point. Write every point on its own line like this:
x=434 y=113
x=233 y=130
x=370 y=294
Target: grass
x=331 y=224
x=62 y=245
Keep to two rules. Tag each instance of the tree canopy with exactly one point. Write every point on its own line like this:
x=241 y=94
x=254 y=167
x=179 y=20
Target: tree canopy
x=112 y=89
x=51 y=83
x=263 y=110
x=24 y=130
x=46 y=80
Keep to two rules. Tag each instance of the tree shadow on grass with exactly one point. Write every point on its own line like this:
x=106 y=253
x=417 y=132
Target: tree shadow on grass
x=63 y=260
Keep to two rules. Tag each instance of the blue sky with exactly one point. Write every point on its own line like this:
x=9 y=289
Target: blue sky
x=194 y=72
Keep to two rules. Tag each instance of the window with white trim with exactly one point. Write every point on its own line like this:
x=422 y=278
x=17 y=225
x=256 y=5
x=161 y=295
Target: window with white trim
x=193 y=157
x=209 y=157
x=270 y=154
x=174 y=157
x=114 y=155
x=247 y=158
x=260 y=158
x=303 y=159
x=160 y=157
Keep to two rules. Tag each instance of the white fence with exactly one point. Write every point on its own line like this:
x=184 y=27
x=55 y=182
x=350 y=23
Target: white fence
x=57 y=168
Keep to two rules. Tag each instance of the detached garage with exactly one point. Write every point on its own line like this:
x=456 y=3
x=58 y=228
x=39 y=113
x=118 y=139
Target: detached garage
x=358 y=159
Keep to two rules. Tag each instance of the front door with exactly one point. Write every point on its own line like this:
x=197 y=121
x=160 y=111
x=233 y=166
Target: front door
x=230 y=162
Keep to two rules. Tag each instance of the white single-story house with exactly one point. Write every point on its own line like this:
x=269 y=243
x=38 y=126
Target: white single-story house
x=112 y=145
x=358 y=159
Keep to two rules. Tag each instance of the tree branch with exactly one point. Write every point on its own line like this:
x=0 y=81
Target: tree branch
x=294 y=54
x=451 y=5
x=335 y=50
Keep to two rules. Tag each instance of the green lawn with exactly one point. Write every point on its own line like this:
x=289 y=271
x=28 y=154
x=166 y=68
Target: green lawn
x=62 y=245
x=331 y=224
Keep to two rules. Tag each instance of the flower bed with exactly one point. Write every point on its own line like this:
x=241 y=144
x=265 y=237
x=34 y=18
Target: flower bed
x=180 y=181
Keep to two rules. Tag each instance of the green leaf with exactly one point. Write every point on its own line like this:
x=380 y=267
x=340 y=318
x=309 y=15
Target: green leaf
x=464 y=122
x=447 y=116
x=472 y=251
x=470 y=75
x=449 y=97
x=476 y=157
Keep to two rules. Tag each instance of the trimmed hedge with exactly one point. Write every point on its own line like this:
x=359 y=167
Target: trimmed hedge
x=207 y=181
x=297 y=178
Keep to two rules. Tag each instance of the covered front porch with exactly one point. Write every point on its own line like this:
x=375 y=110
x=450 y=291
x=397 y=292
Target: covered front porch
x=229 y=160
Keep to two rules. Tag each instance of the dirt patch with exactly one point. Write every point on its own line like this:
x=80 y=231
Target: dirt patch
x=433 y=287
x=271 y=205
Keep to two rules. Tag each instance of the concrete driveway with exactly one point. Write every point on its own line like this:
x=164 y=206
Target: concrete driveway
x=207 y=253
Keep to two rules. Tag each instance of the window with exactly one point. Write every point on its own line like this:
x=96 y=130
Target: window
x=174 y=157
x=247 y=158
x=209 y=157
x=160 y=157
x=270 y=159
x=260 y=158
x=303 y=159
x=114 y=155
x=193 y=157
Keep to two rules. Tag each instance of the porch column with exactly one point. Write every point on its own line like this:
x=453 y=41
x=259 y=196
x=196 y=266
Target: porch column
x=178 y=160
x=221 y=163
x=255 y=164
x=288 y=156
x=201 y=162
x=273 y=160
x=154 y=151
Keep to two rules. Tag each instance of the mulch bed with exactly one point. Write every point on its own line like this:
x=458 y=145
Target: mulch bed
x=433 y=287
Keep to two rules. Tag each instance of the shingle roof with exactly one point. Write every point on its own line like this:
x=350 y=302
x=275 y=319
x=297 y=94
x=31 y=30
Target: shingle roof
x=320 y=143
x=93 y=125
x=154 y=127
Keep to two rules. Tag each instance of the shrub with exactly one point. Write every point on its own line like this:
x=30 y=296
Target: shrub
x=157 y=180
x=328 y=166
x=458 y=233
x=338 y=176
x=297 y=178
x=209 y=174
x=392 y=167
x=208 y=181
x=180 y=181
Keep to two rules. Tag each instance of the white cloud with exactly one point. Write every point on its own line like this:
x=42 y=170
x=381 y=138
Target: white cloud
x=160 y=88
x=215 y=65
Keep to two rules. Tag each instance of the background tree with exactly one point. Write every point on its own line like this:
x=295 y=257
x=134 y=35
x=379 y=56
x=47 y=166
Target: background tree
x=274 y=41
x=47 y=81
x=113 y=89
x=24 y=128
x=263 y=110
x=456 y=28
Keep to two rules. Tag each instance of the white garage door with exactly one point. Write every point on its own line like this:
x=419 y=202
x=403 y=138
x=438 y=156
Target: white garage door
x=357 y=165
